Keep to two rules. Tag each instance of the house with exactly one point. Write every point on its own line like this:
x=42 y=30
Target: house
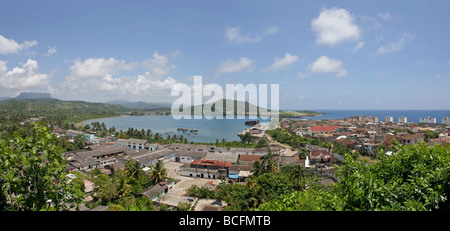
x=321 y=156
x=249 y=159
x=255 y=131
x=240 y=172
x=410 y=139
x=321 y=130
x=157 y=190
x=73 y=133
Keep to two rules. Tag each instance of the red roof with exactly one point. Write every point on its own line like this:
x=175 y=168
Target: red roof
x=215 y=163
x=250 y=157
x=323 y=128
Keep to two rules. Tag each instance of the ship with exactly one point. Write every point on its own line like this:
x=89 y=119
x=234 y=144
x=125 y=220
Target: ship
x=251 y=122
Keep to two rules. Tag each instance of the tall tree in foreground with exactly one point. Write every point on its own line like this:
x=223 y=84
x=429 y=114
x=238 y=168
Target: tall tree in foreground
x=32 y=175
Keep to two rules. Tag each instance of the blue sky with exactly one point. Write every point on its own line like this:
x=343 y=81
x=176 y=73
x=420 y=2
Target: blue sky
x=323 y=54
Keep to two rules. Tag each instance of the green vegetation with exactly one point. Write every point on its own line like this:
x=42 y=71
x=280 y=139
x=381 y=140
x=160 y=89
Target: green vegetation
x=32 y=173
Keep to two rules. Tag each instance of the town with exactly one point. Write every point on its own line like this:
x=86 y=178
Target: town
x=203 y=165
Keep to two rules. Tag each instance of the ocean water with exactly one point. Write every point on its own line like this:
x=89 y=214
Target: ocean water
x=412 y=115
x=210 y=130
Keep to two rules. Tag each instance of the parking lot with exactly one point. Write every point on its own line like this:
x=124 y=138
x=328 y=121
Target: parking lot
x=178 y=193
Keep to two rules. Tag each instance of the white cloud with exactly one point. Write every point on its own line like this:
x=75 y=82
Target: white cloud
x=334 y=26
x=99 y=79
x=359 y=46
x=397 y=45
x=9 y=46
x=386 y=15
x=448 y=63
x=234 y=35
x=26 y=77
x=326 y=65
x=281 y=63
x=50 y=51
x=98 y=67
x=158 y=65
x=229 y=66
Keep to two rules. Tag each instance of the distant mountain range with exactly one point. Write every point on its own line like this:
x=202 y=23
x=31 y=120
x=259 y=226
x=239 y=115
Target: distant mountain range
x=29 y=95
x=139 y=104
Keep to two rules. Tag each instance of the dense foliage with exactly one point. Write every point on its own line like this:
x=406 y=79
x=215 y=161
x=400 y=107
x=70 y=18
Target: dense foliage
x=415 y=178
x=32 y=173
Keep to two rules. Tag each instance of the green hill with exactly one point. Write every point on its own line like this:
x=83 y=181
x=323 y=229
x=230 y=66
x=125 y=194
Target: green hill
x=64 y=111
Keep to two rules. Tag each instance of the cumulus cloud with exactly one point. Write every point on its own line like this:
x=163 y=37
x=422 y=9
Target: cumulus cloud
x=158 y=65
x=334 y=26
x=281 y=63
x=229 y=66
x=98 y=67
x=234 y=35
x=397 y=45
x=9 y=46
x=99 y=79
x=326 y=65
x=25 y=77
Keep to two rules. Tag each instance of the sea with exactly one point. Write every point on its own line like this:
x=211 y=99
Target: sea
x=217 y=129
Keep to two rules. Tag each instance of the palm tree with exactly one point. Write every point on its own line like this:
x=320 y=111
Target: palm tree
x=133 y=169
x=159 y=172
x=256 y=168
x=269 y=163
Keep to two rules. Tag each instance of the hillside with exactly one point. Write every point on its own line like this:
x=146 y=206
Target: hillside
x=234 y=111
x=65 y=111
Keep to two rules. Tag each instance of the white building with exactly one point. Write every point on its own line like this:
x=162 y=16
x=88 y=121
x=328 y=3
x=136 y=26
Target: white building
x=427 y=119
x=446 y=120
x=402 y=120
x=388 y=119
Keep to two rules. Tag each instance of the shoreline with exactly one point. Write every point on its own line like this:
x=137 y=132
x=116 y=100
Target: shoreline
x=80 y=124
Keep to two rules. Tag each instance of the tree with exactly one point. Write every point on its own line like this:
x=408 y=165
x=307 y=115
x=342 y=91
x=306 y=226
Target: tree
x=158 y=173
x=32 y=173
x=269 y=163
x=413 y=178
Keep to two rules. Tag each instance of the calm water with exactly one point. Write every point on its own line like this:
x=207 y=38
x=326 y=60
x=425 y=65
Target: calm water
x=210 y=130
x=412 y=115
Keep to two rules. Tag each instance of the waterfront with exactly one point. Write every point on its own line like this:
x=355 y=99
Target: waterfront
x=211 y=130
x=412 y=115
x=208 y=130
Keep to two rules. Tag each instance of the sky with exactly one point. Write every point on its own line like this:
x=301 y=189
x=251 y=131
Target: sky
x=322 y=54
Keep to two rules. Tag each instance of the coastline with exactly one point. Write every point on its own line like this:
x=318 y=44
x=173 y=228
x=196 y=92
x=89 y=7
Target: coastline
x=81 y=124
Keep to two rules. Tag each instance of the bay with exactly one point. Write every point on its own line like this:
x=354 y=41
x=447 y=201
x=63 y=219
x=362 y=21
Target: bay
x=211 y=130
x=208 y=130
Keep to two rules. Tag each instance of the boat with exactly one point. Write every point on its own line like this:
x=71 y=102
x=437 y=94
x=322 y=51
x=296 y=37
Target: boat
x=194 y=130
x=182 y=129
x=251 y=122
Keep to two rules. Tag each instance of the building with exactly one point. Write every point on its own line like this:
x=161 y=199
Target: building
x=249 y=159
x=427 y=119
x=157 y=190
x=188 y=156
x=365 y=119
x=410 y=139
x=74 y=133
x=446 y=120
x=207 y=169
x=132 y=143
x=402 y=120
x=321 y=130
x=388 y=119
